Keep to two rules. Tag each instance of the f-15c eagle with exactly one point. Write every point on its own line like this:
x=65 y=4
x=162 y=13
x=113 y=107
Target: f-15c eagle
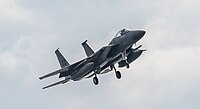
x=118 y=51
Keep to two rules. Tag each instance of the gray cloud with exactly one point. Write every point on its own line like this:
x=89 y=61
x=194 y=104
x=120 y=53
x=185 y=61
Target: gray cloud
x=166 y=76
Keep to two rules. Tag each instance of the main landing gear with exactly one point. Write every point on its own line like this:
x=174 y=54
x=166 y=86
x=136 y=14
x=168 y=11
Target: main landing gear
x=95 y=80
x=117 y=73
x=127 y=65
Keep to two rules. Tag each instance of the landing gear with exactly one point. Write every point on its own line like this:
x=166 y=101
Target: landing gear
x=127 y=65
x=117 y=73
x=124 y=59
x=95 y=80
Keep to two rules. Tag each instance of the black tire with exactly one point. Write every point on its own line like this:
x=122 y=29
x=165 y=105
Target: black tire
x=118 y=75
x=95 y=80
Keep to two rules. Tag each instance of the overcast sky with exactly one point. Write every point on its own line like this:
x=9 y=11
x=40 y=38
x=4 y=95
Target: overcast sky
x=167 y=76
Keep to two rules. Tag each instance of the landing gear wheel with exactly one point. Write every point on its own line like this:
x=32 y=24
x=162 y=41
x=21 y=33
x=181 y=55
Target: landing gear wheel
x=127 y=65
x=95 y=80
x=118 y=75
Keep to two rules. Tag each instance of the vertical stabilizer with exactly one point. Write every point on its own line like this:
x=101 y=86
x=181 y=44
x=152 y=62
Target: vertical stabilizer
x=87 y=49
x=62 y=61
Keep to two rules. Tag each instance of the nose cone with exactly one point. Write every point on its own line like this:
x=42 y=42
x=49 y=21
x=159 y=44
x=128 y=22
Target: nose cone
x=142 y=33
x=137 y=35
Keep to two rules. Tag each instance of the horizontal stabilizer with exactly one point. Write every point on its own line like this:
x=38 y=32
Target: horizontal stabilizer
x=57 y=83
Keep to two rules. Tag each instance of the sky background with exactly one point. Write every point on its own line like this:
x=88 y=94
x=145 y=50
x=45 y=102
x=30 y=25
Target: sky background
x=167 y=76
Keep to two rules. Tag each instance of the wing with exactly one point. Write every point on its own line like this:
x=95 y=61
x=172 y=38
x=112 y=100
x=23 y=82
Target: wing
x=102 y=54
x=65 y=71
x=104 y=51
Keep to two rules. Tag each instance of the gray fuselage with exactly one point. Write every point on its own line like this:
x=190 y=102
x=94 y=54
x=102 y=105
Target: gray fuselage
x=121 y=44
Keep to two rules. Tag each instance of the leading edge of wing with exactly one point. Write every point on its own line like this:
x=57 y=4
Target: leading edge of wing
x=105 y=50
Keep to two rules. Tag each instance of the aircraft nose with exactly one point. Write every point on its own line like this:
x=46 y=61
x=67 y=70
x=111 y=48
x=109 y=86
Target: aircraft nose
x=138 y=34
x=141 y=32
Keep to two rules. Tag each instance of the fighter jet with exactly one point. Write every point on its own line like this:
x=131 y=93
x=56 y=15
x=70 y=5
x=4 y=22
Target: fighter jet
x=119 y=50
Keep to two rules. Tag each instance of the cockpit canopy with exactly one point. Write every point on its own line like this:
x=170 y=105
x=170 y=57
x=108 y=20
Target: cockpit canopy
x=121 y=32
